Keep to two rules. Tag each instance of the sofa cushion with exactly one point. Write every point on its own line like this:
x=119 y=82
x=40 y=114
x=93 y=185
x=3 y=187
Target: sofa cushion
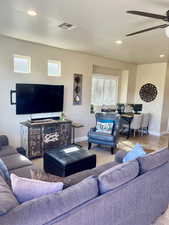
x=26 y=189
x=23 y=171
x=100 y=136
x=78 y=177
x=16 y=161
x=7 y=199
x=153 y=160
x=102 y=168
x=7 y=150
x=4 y=171
x=118 y=176
x=49 y=207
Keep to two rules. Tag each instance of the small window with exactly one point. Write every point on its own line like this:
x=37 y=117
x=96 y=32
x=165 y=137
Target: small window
x=22 y=64
x=54 y=68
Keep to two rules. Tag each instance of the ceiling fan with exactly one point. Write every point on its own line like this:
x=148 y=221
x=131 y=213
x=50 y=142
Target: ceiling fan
x=151 y=15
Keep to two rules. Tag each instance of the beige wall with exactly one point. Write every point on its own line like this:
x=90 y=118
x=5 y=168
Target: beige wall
x=72 y=62
x=165 y=110
x=155 y=74
x=123 y=86
x=106 y=70
x=131 y=85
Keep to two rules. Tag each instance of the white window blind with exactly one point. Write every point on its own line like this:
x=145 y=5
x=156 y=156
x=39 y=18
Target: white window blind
x=104 y=90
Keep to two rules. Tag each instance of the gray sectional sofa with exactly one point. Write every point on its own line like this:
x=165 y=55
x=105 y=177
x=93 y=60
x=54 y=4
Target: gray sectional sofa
x=15 y=162
x=133 y=193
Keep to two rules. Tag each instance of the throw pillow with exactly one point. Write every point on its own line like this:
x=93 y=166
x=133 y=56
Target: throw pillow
x=136 y=152
x=105 y=126
x=27 y=189
x=7 y=198
x=4 y=171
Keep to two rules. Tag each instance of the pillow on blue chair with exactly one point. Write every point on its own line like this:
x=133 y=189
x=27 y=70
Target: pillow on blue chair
x=136 y=152
x=105 y=126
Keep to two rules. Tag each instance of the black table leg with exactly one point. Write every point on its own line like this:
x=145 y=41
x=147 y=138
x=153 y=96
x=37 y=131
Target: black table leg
x=73 y=135
x=129 y=130
x=73 y=143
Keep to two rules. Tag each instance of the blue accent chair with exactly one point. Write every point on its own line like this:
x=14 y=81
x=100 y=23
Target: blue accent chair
x=103 y=138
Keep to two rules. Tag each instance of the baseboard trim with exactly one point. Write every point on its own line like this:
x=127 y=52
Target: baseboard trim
x=158 y=134
x=85 y=138
x=164 y=132
x=79 y=139
x=154 y=133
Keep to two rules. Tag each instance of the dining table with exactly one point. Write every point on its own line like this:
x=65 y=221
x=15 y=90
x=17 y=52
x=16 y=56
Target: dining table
x=126 y=118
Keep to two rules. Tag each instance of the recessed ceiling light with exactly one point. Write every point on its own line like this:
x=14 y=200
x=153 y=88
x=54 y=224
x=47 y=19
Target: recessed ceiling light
x=32 y=13
x=162 y=56
x=119 y=42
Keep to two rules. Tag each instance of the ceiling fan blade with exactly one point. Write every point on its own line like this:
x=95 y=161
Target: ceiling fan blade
x=151 y=15
x=148 y=29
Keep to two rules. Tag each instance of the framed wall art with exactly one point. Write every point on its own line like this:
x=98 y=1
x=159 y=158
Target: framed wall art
x=77 y=89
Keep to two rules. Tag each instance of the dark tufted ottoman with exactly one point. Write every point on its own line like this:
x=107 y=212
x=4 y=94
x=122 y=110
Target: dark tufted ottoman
x=66 y=161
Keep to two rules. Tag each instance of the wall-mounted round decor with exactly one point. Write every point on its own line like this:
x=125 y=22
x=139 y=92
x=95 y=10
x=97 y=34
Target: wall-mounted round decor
x=148 y=92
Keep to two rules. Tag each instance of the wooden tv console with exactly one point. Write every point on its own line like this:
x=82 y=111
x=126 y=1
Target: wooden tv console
x=40 y=136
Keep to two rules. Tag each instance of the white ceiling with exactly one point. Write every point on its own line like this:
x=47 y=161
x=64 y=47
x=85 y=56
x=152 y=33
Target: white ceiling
x=99 y=23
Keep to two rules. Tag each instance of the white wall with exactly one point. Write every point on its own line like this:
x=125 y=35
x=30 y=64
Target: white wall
x=72 y=62
x=123 y=92
x=165 y=110
x=155 y=74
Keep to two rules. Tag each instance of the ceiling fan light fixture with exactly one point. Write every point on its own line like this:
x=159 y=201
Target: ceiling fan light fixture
x=167 y=31
x=32 y=13
x=119 y=42
x=162 y=56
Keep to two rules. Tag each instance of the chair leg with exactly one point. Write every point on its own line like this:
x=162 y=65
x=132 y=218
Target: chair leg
x=112 y=150
x=134 y=132
x=89 y=145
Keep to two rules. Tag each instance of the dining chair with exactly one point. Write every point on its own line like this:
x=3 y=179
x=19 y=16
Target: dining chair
x=136 y=123
x=145 y=123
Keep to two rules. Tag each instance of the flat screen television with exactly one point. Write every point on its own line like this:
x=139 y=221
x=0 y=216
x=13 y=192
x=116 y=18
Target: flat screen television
x=39 y=98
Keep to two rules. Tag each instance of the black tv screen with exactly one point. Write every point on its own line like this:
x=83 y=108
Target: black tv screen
x=39 y=98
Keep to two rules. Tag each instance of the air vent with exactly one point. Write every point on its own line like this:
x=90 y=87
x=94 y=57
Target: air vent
x=66 y=26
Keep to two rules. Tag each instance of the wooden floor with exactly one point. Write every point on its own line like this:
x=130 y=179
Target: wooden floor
x=150 y=143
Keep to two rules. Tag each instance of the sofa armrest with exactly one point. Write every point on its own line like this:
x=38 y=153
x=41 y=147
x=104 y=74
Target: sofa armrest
x=3 y=140
x=93 y=129
x=120 y=155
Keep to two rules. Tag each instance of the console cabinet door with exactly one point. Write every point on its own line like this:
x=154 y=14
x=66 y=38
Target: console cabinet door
x=65 y=134
x=56 y=136
x=35 y=142
x=50 y=137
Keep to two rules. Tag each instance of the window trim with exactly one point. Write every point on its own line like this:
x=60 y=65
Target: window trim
x=58 y=62
x=22 y=57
